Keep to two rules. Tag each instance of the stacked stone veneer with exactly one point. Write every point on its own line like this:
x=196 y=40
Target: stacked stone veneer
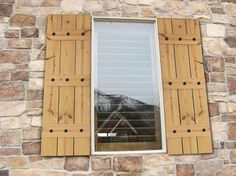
x=22 y=53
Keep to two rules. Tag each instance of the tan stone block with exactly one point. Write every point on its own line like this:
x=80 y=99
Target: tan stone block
x=58 y=164
x=12 y=34
x=208 y=165
x=232 y=107
x=93 y=5
x=232 y=131
x=146 y=2
x=6 y=10
x=15 y=122
x=129 y=10
x=19 y=162
x=215 y=30
x=30 y=148
x=10 y=151
x=230 y=9
x=20 y=76
x=10 y=138
x=101 y=163
x=34 y=95
x=76 y=164
x=37 y=65
x=127 y=164
x=35 y=84
x=212 y=46
x=45 y=164
x=34 y=112
x=3 y=162
x=220 y=18
x=25 y=172
x=12 y=56
x=198 y=7
x=29 y=3
x=19 y=43
x=216 y=87
x=147 y=12
x=132 y=2
x=103 y=174
x=54 y=173
x=31 y=133
x=214 y=109
x=51 y=3
x=72 y=5
x=12 y=91
x=30 y=33
x=185 y=169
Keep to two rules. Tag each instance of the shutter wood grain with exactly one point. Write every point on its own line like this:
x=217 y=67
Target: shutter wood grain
x=185 y=100
x=66 y=111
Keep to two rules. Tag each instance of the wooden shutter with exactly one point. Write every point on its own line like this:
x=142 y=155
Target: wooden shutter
x=66 y=111
x=185 y=100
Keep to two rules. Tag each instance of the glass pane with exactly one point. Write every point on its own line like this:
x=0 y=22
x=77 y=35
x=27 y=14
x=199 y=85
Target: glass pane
x=126 y=93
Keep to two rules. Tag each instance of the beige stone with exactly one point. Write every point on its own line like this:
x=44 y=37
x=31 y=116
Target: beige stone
x=34 y=111
x=127 y=164
x=10 y=151
x=198 y=7
x=132 y=2
x=54 y=173
x=12 y=108
x=230 y=9
x=71 y=5
x=3 y=162
x=25 y=172
x=31 y=148
x=146 y=2
x=31 y=133
x=232 y=107
x=15 y=122
x=19 y=162
x=93 y=5
x=185 y=169
x=76 y=164
x=14 y=56
x=219 y=18
x=101 y=163
x=45 y=164
x=212 y=46
x=37 y=65
x=35 y=84
x=36 y=121
x=215 y=30
x=10 y=138
x=58 y=164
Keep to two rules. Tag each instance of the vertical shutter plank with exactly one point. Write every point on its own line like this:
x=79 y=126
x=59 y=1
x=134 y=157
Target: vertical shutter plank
x=186 y=100
x=83 y=93
x=200 y=98
x=67 y=95
x=170 y=96
x=49 y=145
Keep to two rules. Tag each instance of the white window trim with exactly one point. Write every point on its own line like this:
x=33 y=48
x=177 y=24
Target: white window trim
x=163 y=131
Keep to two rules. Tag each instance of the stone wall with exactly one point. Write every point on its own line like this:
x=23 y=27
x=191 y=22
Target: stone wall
x=22 y=53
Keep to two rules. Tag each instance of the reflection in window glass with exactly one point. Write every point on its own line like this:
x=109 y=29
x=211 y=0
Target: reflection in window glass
x=126 y=93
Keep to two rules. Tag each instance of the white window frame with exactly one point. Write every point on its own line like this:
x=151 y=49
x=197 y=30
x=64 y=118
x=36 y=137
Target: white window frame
x=163 y=131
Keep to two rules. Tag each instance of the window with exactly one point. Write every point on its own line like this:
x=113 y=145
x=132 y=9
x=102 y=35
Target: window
x=120 y=97
x=127 y=113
